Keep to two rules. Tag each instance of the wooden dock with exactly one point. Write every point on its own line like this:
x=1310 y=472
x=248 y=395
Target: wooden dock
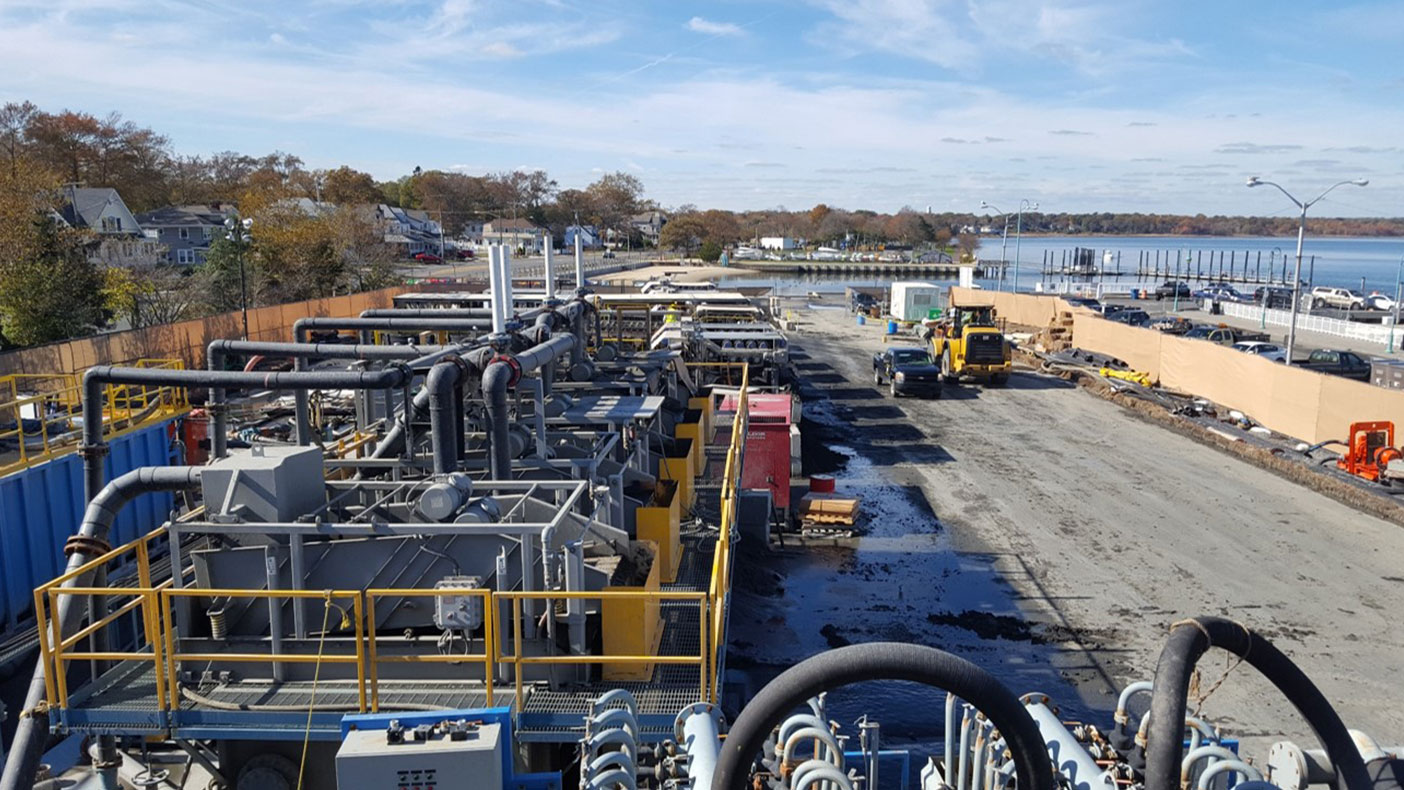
x=845 y=268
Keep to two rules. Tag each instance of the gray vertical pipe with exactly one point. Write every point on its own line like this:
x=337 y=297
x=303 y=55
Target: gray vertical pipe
x=550 y=270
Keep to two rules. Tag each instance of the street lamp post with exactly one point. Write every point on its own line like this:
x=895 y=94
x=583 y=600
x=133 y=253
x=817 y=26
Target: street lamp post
x=1018 y=233
x=1254 y=181
x=1398 y=288
x=238 y=232
x=1003 y=241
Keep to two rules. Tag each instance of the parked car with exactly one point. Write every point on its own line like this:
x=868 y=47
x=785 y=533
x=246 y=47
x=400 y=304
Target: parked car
x=1338 y=363
x=1224 y=335
x=1270 y=351
x=1276 y=296
x=1379 y=301
x=464 y=255
x=1170 y=289
x=1172 y=324
x=862 y=302
x=1222 y=292
x=608 y=254
x=908 y=370
x=1083 y=301
x=1131 y=316
x=427 y=257
x=1109 y=310
x=1342 y=298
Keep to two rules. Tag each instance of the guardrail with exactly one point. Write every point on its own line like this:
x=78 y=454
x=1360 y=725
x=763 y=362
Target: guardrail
x=158 y=643
x=44 y=407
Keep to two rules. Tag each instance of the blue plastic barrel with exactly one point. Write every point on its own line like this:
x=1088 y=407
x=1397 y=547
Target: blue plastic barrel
x=891 y=327
x=1135 y=293
x=862 y=319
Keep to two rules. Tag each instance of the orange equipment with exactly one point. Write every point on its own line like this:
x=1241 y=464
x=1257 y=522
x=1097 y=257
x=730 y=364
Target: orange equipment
x=1370 y=449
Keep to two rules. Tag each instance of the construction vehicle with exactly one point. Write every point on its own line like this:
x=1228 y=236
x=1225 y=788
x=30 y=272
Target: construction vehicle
x=969 y=342
x=1370 y=452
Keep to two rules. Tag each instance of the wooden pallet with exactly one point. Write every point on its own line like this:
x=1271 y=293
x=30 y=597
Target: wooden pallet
x=828 y=509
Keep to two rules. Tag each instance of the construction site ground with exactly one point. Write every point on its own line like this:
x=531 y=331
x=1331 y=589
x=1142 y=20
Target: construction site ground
x=1052 y=536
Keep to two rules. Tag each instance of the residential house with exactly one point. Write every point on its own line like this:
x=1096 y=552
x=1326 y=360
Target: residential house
x=120 y=241
x=409 y=231
x=648 y=225
x=589 y=237
x=185 y=232
x=519 y=234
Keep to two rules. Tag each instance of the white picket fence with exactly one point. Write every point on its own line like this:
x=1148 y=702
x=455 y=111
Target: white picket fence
x=1352 y=330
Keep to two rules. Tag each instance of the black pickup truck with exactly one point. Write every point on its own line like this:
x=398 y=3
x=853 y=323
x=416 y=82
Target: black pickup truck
x=907 y=370
x=1338 y=363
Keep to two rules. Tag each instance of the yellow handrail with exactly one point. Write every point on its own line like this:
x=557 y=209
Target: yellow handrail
x=161 y=643
x=517 y=660
x=55 y=401
x=490 y=648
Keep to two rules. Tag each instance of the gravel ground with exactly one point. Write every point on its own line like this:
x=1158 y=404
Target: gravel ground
x=1051 y=537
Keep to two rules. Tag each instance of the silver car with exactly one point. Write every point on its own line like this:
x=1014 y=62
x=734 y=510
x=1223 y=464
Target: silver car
x=1270 y=351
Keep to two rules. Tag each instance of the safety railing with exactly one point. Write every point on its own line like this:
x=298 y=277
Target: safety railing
x=57 y=649
x=151 y=606
x=39 y=411
x=354 y=619
x=719 y=590
x=702 y=660
x=488 y=658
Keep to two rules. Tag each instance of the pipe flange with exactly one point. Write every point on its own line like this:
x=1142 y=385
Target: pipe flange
x=512 y=363
x=85 y=544
x=500 y=342
x=99 y=450
x=697 y=709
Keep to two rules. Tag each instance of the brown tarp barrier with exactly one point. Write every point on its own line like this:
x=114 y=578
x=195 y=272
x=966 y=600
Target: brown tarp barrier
x=1137 y=347
x=1298 y=403
x=185 y=340
x=1024 y=309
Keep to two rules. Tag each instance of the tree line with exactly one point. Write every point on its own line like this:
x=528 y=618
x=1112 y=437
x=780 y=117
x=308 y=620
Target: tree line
x=50 y=288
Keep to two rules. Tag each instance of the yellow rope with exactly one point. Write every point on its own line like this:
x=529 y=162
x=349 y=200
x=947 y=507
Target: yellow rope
x=316 y=675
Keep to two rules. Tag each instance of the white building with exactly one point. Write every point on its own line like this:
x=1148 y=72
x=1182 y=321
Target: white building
x=777 y=243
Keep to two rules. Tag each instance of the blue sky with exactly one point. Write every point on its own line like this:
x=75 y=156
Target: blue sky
x=1105 y=105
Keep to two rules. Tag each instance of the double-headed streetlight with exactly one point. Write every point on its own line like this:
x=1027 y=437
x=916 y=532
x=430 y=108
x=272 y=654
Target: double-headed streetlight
x=1024 y=205
x=1004 y=240
x=238 y=232
x=1254 y=181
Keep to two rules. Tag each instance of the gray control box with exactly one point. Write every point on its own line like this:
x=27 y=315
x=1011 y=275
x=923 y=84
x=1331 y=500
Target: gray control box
x=422 y=757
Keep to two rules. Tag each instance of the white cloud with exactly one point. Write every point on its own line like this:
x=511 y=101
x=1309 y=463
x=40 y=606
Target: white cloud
x=705 y=26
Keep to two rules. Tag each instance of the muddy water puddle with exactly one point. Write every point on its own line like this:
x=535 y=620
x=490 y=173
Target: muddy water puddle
x=903 y=581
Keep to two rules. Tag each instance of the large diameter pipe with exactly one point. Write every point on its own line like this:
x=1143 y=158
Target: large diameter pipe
x=94 y=448
x=32 y=732
x=441 y=384
x=497 y=379
x=1188 y=641
x=579 y=263
x=549 y=269
x=499 y=321
x=1069 y=758
x=505 y=261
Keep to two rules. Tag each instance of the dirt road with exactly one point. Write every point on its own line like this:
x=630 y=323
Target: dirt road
x=1053 y=537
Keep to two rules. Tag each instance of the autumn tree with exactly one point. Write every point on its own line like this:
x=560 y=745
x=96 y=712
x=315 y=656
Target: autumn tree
x=684 y=232
x=345 y=186
x=615 y=197
x=49 y=290
x=967 y=243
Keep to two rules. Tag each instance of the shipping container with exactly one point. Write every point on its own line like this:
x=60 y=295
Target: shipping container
x=915 y=301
